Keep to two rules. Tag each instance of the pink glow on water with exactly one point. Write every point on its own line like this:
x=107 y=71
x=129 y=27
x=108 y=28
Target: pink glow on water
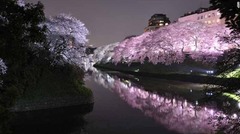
x=175 y=113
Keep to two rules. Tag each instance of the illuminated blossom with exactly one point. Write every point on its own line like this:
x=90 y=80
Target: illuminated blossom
x=176 y=114
x=171 y=43
x=104 y=53
x=21 y=3
x=67 y=37
x=3 y=67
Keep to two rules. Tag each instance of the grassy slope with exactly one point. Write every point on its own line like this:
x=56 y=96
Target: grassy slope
x=232 y=74
x=56 y=83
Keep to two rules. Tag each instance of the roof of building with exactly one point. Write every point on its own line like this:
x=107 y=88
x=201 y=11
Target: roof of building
x=159 y=15
x=198 y=11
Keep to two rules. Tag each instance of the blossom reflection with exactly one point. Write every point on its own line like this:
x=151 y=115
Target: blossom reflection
x=174 y=113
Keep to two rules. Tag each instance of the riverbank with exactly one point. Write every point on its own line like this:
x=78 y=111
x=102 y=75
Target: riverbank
x=51 y=103
x=193 y=78
x=64 y=120
x=57 y=87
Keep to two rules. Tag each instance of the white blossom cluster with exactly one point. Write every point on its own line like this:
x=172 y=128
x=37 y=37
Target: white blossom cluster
x=65 y=24
x=105 y=53
x=21 y=3
x=67 y=37
x=3 y=67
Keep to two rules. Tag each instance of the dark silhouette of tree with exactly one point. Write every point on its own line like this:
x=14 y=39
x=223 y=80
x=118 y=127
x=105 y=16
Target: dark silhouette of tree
x=229 y=10
x=20 y=32
x=230 y=60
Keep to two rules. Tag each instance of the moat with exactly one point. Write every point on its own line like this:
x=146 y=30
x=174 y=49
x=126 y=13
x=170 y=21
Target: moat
x=132 y=105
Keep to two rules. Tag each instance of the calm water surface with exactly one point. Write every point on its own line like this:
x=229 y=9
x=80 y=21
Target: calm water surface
x=129 y=105
x=124 y=104
x=112 y=115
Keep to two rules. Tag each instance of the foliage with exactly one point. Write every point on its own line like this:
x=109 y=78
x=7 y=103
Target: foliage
x=3 y=67
x=105 y=53
x=28 y=49
x=67 y=37
x=170 y=44
x=19 y=33
x=57 y=82
x=233 y=74
x=229 y=11
x=229 y=61
x=27 y=52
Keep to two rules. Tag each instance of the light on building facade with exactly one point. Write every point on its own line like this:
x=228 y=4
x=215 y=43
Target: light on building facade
x=156 y=21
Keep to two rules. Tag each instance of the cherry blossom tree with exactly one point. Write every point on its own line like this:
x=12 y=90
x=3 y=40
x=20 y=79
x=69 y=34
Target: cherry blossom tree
x=67 y=38
x=230 y=12
x=170 y=44
x=21 y=3
x=104 y=53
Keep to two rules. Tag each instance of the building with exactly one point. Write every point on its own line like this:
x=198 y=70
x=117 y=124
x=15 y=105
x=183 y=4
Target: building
x=157 y=21
x=206 y=15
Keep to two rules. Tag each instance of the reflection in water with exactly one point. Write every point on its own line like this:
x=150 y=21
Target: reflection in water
x=174 y=113
x=66 y=120
x=5 y=116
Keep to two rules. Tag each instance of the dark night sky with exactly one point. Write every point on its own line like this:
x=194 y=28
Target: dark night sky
x=110 y=21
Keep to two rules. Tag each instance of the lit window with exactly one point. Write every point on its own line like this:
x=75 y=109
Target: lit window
x=206 y=16
x=218 y=14
x=209 y=22
x=160 y=24
x=166 y=24
x=160 y=21
x=218 y=20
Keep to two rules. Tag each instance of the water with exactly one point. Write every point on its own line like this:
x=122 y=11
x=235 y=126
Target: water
x=124 y=104
x=112 y=115
x=66 y=120
x=130 y=105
